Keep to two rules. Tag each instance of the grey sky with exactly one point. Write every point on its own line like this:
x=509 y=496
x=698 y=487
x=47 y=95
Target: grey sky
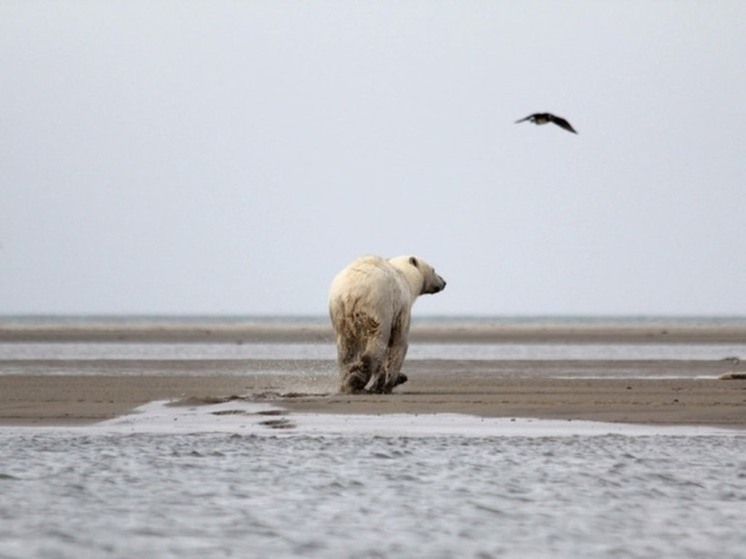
x=231 y=157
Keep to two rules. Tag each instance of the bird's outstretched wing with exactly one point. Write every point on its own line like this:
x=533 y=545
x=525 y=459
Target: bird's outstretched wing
x=562 y=123
x=524 y=119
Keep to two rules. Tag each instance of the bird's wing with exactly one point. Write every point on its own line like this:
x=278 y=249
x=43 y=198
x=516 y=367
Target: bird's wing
x=524 y=119
x=562 y=123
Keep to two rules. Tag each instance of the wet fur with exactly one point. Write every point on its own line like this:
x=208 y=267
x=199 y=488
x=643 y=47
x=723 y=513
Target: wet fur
x=369 y=305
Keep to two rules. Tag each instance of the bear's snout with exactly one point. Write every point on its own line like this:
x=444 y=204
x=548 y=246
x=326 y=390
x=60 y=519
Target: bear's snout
x=437 y=287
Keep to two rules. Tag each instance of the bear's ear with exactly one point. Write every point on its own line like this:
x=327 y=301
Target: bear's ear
x=413 y=261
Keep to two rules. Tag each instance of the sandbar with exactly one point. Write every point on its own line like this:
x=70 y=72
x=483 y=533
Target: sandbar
x=643 y=392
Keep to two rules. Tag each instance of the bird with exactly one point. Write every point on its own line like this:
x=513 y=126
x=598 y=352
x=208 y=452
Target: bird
x=544 y=118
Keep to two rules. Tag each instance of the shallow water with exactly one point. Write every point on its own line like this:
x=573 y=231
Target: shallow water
x=103 y=493
x=316 y=351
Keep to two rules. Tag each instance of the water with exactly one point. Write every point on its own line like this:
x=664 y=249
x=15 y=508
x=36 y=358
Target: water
x=222 y=494
x=316 y=351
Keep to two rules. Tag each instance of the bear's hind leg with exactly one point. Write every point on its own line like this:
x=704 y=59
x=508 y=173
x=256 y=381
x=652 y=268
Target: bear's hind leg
x=356 y=377
x=361 y=348
x=354 y=372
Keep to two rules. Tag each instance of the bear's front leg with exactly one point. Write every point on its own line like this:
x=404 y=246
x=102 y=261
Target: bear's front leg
x=381 y=387
x=391 y=375
x=379 y=382
x=376 y=352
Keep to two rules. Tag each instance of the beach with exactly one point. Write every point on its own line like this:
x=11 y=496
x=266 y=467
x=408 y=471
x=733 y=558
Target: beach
x=225 y=437
x=644 y=391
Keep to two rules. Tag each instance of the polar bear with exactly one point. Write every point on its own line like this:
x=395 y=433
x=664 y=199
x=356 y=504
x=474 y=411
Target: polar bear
x=370 y=303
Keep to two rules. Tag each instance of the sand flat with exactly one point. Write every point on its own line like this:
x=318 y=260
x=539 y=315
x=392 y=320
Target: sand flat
x=76 y=399
x=654 y=391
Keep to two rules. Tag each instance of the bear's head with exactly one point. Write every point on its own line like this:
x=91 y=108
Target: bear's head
x=415 y=269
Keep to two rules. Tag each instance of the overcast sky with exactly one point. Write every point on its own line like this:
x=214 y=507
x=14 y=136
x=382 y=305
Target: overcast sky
x=230 y=157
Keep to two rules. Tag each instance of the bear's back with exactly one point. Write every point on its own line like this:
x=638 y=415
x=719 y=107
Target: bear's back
x=371 y=280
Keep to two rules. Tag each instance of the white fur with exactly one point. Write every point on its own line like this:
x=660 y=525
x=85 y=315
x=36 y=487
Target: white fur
x=370 y=304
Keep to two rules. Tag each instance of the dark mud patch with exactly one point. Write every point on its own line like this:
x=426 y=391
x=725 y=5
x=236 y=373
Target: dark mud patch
x=231 y=412
x=270 y=412
x=280 y=423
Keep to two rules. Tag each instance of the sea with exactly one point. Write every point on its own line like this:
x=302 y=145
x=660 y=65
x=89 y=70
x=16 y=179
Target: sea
x=238 y=479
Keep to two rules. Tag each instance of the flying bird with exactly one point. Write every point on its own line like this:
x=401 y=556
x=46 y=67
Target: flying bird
x=544 y=118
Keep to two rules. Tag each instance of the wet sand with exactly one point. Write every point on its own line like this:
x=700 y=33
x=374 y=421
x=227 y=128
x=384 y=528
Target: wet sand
x=435 y=333
x=614 y=391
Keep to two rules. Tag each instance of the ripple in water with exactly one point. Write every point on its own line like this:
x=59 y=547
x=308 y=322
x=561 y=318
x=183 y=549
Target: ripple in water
x=228 y=495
